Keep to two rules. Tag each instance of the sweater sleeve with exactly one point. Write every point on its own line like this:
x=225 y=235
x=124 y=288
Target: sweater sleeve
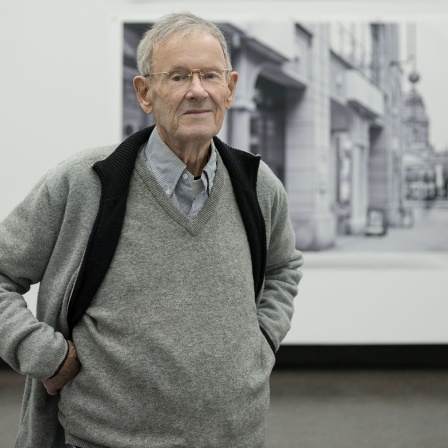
x=27 y=238
x=275 y=307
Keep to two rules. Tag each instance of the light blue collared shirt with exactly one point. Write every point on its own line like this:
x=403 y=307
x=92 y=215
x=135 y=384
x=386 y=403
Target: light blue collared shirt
x=186 y=193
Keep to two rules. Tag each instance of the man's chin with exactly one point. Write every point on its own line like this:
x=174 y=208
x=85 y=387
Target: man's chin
x=198 y=133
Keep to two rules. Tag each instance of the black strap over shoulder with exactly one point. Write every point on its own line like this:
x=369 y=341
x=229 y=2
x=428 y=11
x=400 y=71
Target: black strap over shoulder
x=243 y=170
x=115 y=174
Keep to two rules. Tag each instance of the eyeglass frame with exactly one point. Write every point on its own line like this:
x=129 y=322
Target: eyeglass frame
x=190 y=75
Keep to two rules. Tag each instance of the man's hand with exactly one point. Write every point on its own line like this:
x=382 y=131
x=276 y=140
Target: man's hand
x=69 y=370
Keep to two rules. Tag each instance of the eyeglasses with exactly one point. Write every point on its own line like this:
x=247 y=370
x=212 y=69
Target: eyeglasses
x=182 y=78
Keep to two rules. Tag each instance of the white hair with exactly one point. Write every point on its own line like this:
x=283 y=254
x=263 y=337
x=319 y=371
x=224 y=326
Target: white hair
x=179 y=25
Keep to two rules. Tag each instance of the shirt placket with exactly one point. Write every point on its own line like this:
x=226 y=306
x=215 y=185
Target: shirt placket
x=199 y=200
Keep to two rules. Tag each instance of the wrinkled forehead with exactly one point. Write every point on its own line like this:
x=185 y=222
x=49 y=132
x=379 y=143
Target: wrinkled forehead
x=191 y=43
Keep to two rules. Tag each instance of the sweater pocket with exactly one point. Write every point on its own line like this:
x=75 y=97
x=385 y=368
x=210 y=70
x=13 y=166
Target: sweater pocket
x=67 y=298
x=267 y=350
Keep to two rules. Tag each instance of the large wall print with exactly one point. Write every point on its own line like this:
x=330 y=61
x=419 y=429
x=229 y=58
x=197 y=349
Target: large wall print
x=350 y=118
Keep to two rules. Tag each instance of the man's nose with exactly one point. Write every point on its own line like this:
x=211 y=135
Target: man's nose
x=196 y=86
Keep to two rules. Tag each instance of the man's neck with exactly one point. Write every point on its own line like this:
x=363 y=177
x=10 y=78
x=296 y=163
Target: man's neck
x=194 y=155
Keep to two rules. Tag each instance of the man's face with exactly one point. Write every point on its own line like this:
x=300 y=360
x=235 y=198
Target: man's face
x=194 y=112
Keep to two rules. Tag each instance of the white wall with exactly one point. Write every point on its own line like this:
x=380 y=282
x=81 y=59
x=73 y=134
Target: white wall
x=54 y=89
x=60 y=92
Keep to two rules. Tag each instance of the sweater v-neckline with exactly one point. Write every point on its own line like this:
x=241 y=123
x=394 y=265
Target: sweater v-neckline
x=192 y=226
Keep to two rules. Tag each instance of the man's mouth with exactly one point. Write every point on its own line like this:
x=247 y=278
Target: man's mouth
x=197 y=111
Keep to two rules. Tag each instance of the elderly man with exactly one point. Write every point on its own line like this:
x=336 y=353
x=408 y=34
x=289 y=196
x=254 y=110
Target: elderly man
x=167 y=272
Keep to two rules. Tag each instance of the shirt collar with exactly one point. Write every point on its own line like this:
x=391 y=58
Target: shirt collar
x=167 y=168
x=209 y=171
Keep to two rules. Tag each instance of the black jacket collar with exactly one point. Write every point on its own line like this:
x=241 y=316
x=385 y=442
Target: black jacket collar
x=116 y=170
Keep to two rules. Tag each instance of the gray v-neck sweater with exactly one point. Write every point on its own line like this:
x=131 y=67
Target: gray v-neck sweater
x=44 y=240
x=171 y=348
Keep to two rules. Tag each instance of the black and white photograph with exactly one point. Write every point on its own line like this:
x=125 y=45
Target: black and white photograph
x=350 y=116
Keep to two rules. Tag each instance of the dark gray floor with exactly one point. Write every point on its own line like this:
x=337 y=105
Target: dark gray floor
x=326 y=409
x=369 y=409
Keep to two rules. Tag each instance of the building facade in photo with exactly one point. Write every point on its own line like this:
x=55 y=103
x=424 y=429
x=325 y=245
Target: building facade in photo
x=322 y=104
x=426 y=168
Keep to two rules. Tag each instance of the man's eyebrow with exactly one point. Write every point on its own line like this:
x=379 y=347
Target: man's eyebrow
x=183 y=68
x=178 y=67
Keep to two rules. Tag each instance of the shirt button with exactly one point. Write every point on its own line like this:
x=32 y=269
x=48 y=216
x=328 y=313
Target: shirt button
x=185 y=176
x=167 y=191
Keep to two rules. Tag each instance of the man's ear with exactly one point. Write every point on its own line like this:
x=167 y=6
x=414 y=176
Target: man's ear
x=233 y=79
x=141 y=86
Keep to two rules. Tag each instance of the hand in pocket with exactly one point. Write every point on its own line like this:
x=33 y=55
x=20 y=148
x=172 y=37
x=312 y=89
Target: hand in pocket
x=69 y=370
